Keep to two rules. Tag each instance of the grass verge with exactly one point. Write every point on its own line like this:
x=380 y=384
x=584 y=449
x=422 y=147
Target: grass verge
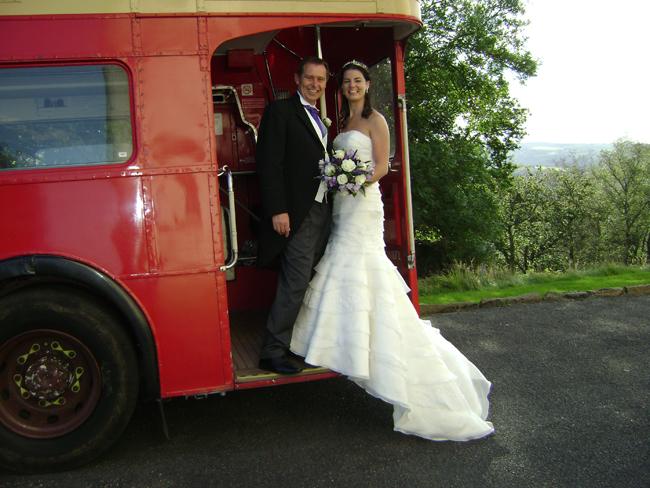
x=461 y=284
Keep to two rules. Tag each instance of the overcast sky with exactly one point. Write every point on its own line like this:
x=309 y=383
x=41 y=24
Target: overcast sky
x=593 y=85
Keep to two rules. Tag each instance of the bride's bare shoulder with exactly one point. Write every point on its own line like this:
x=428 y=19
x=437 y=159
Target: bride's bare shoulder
x=376 y=116
x=377 y=122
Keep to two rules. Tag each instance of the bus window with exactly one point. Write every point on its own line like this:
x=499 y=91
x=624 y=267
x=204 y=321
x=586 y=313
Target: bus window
x=64 y=116
x=381 y=90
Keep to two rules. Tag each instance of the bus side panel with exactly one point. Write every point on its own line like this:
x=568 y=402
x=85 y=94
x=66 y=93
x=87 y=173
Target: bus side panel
x=181 y=223
x=157 y=37
x=65 y=38
x=183 y=219
x=176 y=109
x=99 y=222
x=185 y=312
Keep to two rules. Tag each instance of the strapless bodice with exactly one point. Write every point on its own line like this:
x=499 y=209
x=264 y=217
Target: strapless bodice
x=353 y=139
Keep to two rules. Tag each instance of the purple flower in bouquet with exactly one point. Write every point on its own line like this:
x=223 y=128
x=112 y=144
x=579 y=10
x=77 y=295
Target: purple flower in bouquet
x=345 y=173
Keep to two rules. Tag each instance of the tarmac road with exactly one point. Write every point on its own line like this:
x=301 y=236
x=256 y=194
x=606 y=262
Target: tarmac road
x=569 y=401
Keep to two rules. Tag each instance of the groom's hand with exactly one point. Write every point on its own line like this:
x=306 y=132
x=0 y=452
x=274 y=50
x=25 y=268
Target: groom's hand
x=281 y=224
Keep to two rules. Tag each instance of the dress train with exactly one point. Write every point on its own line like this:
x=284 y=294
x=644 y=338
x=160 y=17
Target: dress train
x=357 y=319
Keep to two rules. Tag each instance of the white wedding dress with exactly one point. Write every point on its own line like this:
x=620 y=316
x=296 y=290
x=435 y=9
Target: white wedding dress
x=357 y=319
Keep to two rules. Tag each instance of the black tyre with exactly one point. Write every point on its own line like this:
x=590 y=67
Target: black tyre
x=68 y=378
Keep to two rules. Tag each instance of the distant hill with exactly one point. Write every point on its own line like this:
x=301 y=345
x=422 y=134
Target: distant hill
x=545 y=153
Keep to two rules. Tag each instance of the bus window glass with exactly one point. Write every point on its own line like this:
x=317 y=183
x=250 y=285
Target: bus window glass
x=64 y=116
x=382 y=95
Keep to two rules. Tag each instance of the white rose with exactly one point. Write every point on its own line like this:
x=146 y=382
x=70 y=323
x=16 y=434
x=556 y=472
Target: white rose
x=360 y=179
x=341 y=179
x=348 y=165
x=330 y=170
x=339 y=154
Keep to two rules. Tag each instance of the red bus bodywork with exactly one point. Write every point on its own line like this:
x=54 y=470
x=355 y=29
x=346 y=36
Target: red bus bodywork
x=148 y=234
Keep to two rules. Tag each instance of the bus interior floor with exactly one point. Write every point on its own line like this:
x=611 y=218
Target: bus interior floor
x=246 y=332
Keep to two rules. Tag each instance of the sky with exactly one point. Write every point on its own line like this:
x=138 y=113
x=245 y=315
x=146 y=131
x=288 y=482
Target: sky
x=593 y=84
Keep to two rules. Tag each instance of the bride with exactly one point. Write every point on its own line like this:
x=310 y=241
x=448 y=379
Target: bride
x=356 y=317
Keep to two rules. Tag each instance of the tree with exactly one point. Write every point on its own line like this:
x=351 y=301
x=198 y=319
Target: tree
x=527 y=240
x=571 y=212
x=623 y=175
x=453 y=194
x=462 y=120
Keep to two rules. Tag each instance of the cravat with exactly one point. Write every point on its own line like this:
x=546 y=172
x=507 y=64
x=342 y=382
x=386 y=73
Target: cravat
x=313 y=111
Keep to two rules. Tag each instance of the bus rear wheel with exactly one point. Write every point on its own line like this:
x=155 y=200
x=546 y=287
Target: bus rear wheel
x=68 y=378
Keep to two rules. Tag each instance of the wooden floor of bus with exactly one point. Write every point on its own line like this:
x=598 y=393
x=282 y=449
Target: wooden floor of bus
x=246 y=331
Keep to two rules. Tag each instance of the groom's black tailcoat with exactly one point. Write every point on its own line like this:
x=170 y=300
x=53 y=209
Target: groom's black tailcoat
x=288 y=152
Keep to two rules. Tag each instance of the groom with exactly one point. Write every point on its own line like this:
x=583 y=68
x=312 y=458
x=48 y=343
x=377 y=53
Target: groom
x=296 y=217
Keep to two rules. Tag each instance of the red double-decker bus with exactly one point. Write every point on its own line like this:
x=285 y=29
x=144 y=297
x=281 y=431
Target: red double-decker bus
x=129 y=200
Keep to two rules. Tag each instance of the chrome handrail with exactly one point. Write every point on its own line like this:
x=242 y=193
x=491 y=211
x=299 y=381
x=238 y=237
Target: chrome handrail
x=240 y=109
x=233 y=219
x=401 y=100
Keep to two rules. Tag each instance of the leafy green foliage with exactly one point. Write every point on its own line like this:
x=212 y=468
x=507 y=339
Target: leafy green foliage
x=623 y=177
x=571 y=217
x=463 y=124
x=454 y=194
x=526 y=234
x=462 y=120
x=579 y=215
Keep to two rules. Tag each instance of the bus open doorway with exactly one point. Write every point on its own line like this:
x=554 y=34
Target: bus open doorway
x=247 y=73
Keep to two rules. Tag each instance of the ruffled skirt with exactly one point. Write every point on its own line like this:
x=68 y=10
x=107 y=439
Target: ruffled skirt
x=357 y=319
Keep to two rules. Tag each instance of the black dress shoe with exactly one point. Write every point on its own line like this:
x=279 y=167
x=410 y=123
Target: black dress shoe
x=280 y=365
x=293 y=355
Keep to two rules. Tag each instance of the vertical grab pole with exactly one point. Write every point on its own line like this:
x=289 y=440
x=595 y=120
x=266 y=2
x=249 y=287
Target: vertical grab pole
x=233 y=219
x=319 y=50
x=401 y=100
x=268 y=72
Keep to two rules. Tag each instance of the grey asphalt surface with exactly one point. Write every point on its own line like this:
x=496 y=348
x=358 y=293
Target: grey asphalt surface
x=570 y=404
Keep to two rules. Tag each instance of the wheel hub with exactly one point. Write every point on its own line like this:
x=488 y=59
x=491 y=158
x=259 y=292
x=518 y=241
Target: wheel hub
x=50 y=384
x=48 y=377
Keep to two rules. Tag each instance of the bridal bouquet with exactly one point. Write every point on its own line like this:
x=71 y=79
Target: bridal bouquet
x=345 y=173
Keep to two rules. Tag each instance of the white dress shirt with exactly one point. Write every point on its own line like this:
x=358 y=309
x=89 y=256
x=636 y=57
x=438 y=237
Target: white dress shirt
x=323 y=187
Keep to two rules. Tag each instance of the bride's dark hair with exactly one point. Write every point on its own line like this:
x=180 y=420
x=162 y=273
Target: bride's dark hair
x=345 y=106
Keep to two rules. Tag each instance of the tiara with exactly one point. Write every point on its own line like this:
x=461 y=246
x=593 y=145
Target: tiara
x=354 y=62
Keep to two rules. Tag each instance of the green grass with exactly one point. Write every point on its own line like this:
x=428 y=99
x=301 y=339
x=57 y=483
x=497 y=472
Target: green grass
x=463 y=285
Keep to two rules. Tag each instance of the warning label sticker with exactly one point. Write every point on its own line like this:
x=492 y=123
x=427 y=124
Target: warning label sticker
x=252 y=103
